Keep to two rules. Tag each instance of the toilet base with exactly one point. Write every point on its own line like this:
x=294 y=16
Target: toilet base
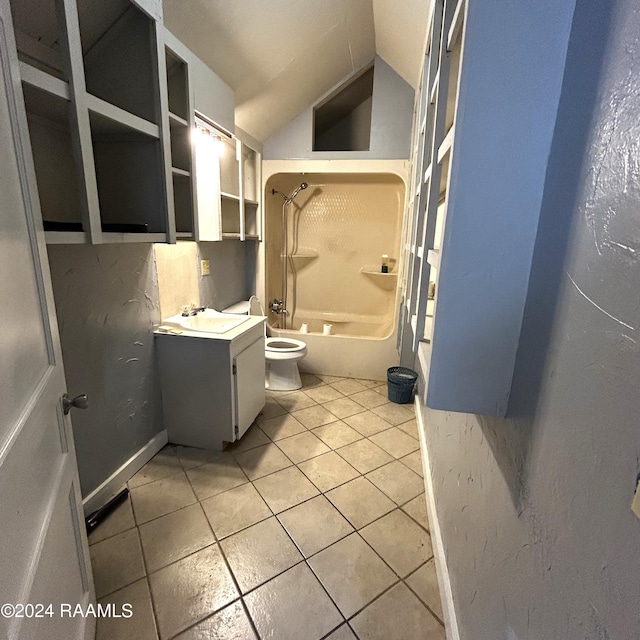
x=282 y=375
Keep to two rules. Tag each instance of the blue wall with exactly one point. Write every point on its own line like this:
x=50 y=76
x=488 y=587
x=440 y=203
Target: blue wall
x=391 y=117
x=535 y=509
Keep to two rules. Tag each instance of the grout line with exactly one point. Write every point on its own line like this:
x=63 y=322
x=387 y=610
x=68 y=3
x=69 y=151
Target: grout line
x=404 y=580
x=218 y=540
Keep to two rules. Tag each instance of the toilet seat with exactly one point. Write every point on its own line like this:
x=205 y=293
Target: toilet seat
x=284 y=345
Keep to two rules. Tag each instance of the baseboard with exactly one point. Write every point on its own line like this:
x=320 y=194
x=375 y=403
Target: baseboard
x=442 y=570
x=99 y=496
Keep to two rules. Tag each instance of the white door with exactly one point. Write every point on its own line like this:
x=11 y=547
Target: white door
x=44 y=557
x=249 y=385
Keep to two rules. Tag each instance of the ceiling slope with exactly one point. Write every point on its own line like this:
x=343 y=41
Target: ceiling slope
x=281 y=56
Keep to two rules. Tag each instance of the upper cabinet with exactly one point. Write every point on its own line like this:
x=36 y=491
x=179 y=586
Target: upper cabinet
x=227 y=185
x=110 y=103
x=482 y=136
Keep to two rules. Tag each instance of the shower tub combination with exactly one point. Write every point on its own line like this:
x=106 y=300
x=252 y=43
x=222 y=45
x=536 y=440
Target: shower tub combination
x=327 y=225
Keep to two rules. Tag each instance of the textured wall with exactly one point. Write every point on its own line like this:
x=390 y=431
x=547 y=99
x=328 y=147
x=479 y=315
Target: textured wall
x=107 y=302
x=233 y=268
x=390 y=124
x=540 y=541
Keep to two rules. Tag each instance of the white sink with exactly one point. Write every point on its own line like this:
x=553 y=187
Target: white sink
x=208 y=321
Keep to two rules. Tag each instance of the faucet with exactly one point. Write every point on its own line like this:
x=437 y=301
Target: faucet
x=277 y=306
x=191 y=310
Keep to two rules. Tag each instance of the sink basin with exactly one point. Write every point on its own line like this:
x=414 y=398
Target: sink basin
x=208 y=321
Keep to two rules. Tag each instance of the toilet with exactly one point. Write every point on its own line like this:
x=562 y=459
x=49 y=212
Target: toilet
x=281 y=354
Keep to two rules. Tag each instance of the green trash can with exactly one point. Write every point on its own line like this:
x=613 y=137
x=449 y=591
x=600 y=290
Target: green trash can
x=400 y=383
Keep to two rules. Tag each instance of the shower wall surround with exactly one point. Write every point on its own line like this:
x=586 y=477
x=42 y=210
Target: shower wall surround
x=338 y=228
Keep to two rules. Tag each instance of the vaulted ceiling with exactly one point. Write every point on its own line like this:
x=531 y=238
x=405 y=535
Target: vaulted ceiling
x=280 y=56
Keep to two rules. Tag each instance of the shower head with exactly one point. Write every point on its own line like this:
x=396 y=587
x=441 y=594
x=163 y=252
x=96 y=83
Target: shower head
x=303 y=185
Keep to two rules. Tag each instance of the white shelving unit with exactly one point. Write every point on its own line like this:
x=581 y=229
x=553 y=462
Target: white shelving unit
x=227 y=179
x=95 y=103
x=478 y=181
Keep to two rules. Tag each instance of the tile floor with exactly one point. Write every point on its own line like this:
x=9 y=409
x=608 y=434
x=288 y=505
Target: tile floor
x=313 y=526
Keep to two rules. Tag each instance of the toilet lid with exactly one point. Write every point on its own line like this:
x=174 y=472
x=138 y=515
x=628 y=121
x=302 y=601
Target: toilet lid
x=284 y=344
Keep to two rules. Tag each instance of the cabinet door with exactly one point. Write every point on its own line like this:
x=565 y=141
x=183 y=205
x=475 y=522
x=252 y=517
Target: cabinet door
x=249 y=385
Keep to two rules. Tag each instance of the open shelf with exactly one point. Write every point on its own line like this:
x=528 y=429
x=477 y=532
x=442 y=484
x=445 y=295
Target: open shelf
x=230 y=212
x=176 y=122
x=114 y=237
x=65 y=237
x=386 y=281
x=180 y=141
x=452 y=93
x=455 y=30
x=445 y=147
x=48 y=118
x=38 y=35
x=129 y=171
x=434 y=89
x=178 y=88
x=120 y=60
x=108 y=119
x=433 y=258
x=229 y=168
x=39 y=79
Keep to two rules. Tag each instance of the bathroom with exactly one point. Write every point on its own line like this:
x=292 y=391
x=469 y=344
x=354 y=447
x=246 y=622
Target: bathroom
x=224 y=225
x=115 y=283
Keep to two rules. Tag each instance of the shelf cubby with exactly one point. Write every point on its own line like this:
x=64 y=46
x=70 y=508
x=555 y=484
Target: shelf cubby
x=177 y=87
x=230 y=213
x=128 y=167
x=180 y=117
x=120 y=62
x=183 y=204
x=452 y=93
x=48 y=118
x=181 y=149
x=229 y=167
x=38 y=36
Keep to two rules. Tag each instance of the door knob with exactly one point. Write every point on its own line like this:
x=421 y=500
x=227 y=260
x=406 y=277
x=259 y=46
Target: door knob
x=79 y=402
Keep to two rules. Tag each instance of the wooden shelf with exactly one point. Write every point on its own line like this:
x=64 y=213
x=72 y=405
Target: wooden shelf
x=456 y=25
x=65 y=237
x=184 y=235
x=177 y=122
x=445 y=147
x=229 y=196
x=110 y=119
x=44 y=81
x=433 y=258
x=181 y=173
x=113 y=237
x=427 y=174
x=434 y=89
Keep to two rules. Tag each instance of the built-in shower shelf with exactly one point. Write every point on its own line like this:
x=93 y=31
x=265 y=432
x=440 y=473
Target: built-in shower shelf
x=303 y=257
x=386 y=281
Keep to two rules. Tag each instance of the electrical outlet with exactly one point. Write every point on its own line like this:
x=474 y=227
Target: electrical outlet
x=205 y=267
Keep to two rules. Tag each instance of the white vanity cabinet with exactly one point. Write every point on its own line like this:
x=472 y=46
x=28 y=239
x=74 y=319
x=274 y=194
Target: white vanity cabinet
x=212 y=384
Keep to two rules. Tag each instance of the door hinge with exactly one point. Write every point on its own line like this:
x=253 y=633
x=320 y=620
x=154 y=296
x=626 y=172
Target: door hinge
x=236 y=431
x=234 y=369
